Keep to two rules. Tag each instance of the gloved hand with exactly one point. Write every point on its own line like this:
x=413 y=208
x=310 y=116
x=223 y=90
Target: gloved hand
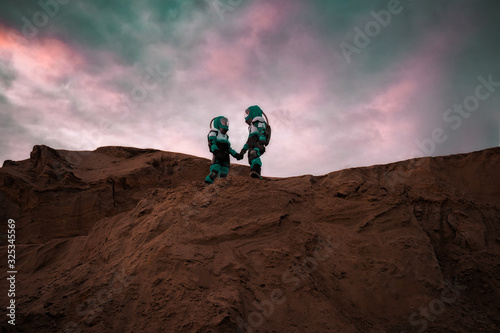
x=214 y=148
x=238 y=156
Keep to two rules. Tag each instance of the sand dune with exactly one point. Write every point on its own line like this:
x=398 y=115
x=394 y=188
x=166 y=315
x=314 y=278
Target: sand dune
x=131 y=240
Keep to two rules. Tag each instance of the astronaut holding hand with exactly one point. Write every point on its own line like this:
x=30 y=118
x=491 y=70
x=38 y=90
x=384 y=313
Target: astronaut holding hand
x=258 y=138
x=220 y=147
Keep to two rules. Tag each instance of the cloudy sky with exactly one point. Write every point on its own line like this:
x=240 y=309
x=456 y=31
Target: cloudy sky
x=344 y=83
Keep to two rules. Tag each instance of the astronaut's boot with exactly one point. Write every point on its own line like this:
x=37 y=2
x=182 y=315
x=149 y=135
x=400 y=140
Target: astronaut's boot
x=255 y=173
x=211 y=177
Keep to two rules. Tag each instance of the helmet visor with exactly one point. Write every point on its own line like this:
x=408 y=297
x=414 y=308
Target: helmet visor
x=248 y=119
x=224 y=125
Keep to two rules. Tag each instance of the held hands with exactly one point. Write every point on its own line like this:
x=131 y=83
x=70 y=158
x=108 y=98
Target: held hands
x=241 y=154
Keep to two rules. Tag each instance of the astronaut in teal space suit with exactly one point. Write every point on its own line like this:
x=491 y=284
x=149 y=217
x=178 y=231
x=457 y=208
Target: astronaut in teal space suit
x=218 y=143
x=258 y=138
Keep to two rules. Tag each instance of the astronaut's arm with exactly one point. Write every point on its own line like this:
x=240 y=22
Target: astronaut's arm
x=213 y=148
x=212 y=139
x=262 y=131
x=233 y=152
x=244 y=149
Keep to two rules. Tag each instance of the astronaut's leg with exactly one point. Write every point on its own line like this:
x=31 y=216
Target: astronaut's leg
x=215 y=170
x=225 y=164
x=255 y=162
x=223 y=172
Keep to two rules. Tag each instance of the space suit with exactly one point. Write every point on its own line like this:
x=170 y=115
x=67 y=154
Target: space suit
x=257 y=139
x=219 y=145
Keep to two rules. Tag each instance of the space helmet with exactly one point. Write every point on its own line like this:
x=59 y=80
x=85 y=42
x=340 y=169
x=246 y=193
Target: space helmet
x=252 y=112
x=222 y=124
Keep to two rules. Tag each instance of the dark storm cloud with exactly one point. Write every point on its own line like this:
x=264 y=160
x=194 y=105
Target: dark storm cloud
x=119 y=26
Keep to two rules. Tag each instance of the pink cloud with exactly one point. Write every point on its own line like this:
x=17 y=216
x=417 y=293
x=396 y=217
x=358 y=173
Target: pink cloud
x=229 y=61
x=54 y=97
x=51 y=67
x=44 y=60
x=413 y=96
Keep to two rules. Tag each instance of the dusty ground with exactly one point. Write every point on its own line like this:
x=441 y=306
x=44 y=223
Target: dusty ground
x=131 y=240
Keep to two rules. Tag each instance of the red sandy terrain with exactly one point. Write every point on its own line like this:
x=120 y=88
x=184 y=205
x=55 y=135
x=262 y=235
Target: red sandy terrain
x=131 y=240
